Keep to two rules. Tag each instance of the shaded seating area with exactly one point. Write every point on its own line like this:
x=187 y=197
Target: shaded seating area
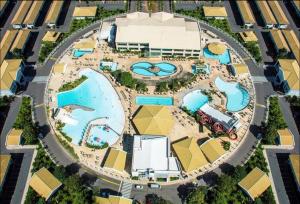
x=14 y=137
x=115 y=159
x=285 y=137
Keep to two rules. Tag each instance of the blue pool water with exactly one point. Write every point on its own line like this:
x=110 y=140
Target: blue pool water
x=99 y=135
x=98 y=95
x=223 y=58
x=154 y=100
x=237 y=97
x=194 y=100
x=143 y=68
x=80 y=53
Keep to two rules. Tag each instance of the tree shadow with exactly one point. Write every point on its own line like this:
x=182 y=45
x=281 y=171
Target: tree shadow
x=227 y=168
x=88 y=179
x=184 y=190
x=72 y=168
x=209 y=178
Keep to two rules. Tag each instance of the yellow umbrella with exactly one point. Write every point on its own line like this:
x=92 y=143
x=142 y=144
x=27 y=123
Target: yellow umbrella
x=216 y=48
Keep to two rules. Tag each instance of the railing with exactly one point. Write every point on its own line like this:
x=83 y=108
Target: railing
x=222 y=31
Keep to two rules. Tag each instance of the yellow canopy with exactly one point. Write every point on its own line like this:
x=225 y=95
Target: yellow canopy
x=153 y=120
x=213 y=150
x=51 y=36
x=240 y=68
x=116 y=159
x=216 y=48
x=4 y=162
x=112 y=200
x=88 y=11
x=14 y=137
x=59 y=68
x=248 y=36
x=290 y=69
x=189 y=154
x=295 y=164
x=44 y=183
x=8 y=70
x=285 y=137
x=86 y=44
x=255 y=183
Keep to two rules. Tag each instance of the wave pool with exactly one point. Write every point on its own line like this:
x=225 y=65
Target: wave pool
x=95 y=98
x=194 y=100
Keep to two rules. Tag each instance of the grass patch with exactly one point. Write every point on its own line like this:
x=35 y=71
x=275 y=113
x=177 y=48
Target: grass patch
x=71 y=85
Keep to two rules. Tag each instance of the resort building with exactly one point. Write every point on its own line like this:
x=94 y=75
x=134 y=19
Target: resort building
x=255 y=183
x=248 y=36
x=6 y=43
x=282 y=21
x=51 y=36
x=153 y=120
x=116 y=160
x=11 y=76
x=279 y=41
x=33 y=14
x=20 y=41
x=218 y=12
x=213 y=150
x=13 y=139
x=44 y=183
x=266 y=13
x=286 y=138
x=296 y=5
x=17 y=21
x=294 y=160
x=151 y=158
x=158 y=34
x=189 y=154
x=53 y=13
x=5 y=161
x=85 y=12
x=238 y=69
x=219 y=121
x=293 y=42
x=112 y=200
x=59 y=68
x=287 y=77
x=246 y=13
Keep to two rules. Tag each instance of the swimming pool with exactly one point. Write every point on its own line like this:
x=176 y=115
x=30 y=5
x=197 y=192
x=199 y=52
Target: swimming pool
x=100 y=135
x=150 y=69
x=237 y=97
x=194 y=100
x=100 y=100
x=80 y=53
x=223 y=58
x=154 y=100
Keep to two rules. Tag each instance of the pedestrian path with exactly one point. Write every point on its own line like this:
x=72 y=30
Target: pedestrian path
x=259 y=79
x=40 y=79
x=126 y=189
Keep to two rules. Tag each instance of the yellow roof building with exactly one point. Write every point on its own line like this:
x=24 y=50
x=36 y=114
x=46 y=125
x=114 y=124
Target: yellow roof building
x=217 y=48
x=4 y=161
x=154 y=120
x=20 y=40
x=2 y=4
x=51 y=36
x=278 y=12
x=217 y=11
x=6 y=43
x=116 y=159
x=112 y=200
x=212 y=149
x=44 y=183
x=266 y=12
x=9 y=69
x=290 y=69
x=88 y=11
x=54 y=11
x=22 y=12
x=255 y=183
x=14 y=137
x=86 y=44
x=246 y=12
x=33 y=12
x=286 y=137
x=59 y=68
x=295 y=164
x=240 y=68
x=279 y=40
x=248 y=36
x=189 y=154
x=293 y=42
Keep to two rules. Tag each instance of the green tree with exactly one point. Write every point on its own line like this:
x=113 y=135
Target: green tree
x=155 y=199
x=198 y=196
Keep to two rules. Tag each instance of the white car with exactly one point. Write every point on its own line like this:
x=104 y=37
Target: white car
x=139 y=186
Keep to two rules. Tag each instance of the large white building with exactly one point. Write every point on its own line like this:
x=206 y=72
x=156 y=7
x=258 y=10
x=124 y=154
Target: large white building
x=159 y=33
x=152 y=158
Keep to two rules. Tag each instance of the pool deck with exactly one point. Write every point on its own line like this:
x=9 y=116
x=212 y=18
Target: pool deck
x=184 y=124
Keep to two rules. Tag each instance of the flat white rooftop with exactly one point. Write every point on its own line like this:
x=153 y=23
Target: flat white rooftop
x=161 y=30
x=152 y=152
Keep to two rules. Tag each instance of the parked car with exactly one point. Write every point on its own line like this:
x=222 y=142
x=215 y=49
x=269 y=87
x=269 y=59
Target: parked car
x=154 y=185
x=139 y=186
